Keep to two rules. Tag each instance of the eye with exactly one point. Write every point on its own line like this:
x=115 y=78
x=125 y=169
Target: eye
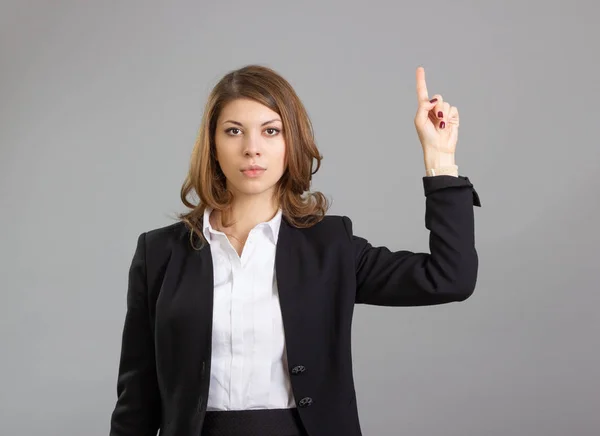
x=271 y=131
x=231 y=131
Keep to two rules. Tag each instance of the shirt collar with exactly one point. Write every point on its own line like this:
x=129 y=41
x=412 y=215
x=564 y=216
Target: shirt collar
x=273 y=225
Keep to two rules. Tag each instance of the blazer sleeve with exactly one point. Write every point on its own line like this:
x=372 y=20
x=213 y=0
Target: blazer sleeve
x=137 y=410
x=447 y=274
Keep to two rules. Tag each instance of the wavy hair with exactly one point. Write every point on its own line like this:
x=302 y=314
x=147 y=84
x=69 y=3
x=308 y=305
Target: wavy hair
x=300 y=207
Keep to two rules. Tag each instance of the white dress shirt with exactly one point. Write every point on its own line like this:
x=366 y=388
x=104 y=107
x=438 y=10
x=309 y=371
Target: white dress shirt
x=249 y=368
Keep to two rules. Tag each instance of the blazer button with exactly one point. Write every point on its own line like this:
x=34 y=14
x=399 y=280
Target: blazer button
x=298 y=369
x=305 y=402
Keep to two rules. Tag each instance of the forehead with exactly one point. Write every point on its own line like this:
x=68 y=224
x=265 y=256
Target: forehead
x=247 y=111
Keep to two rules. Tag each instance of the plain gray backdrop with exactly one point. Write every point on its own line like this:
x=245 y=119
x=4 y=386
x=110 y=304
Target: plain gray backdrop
x=100 y=104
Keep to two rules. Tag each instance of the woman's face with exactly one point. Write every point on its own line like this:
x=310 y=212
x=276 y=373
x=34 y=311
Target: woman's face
x=250 y=147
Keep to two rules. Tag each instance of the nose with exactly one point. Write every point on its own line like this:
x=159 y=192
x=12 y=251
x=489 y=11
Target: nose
x=252 y=146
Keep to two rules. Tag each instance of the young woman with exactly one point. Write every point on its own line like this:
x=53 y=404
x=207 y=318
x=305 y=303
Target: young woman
x=239 y=315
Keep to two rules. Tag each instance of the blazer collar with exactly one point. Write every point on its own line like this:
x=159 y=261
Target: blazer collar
x=294 y=263
x=273 y=225
x=191 y=271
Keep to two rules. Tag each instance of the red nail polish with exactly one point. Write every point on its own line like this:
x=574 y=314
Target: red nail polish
x=440 y=114
x=433 y=100
x=442 y=125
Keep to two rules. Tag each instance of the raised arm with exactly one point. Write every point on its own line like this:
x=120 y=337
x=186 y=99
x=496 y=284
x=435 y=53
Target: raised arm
x=448 y=273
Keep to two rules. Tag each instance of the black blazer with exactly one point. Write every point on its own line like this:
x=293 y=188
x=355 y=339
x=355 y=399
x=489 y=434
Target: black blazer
x=322 y=272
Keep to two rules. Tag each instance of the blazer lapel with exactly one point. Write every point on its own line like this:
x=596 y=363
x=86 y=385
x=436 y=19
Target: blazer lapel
x=286 y=259
x=296 y=261
x=194 y=292
x=185 y=309
x=292 y=268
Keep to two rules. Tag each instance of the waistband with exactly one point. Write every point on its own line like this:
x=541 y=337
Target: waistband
x=259 y=422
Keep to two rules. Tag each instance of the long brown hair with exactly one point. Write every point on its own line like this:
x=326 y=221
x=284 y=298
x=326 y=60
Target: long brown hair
x=300 y=207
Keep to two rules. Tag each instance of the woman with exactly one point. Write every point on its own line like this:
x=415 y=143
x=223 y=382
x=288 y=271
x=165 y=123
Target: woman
x=239 y=315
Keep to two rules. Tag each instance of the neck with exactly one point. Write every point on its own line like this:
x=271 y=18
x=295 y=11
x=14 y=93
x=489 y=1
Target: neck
x=247 y=212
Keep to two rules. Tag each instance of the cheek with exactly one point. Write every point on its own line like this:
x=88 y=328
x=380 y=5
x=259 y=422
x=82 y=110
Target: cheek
x=281 y=155
x=223 y=154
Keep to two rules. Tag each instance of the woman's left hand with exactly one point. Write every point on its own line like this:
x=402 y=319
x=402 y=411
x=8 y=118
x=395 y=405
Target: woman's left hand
x=436 y=121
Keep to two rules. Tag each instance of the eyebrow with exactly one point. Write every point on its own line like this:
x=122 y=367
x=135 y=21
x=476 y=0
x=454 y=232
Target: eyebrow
x=240 y=124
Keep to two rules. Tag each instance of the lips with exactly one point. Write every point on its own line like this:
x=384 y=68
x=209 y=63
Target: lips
x=252 y=168
x=253 y=171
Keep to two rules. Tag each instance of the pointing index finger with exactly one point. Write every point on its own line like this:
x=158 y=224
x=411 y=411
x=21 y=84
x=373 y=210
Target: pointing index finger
x=421 y=85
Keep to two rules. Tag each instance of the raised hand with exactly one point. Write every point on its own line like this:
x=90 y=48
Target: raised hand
x=436 y=123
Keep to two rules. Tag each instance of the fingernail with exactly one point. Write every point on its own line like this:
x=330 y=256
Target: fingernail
x=442 y=125
x=433 y=100
x=440 y=114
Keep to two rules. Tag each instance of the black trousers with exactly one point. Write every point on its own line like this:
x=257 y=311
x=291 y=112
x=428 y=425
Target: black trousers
x=263 y=422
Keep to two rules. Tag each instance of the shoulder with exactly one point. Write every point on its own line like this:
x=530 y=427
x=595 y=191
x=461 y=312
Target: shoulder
x=330 y=227
x=165 y=234
x=159 y=242
x=158 y=245
x=330 y=222
x=338 y=222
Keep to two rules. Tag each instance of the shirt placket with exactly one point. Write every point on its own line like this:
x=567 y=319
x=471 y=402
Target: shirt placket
x=237 y=329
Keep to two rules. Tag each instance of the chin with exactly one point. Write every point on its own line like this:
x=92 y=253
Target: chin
x=254 y=188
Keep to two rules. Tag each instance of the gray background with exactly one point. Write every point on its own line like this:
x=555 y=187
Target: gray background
x=100 y=103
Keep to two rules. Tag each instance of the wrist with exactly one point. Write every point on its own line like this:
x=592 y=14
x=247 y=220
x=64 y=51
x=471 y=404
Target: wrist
x=443 y=171
x=435 y=160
